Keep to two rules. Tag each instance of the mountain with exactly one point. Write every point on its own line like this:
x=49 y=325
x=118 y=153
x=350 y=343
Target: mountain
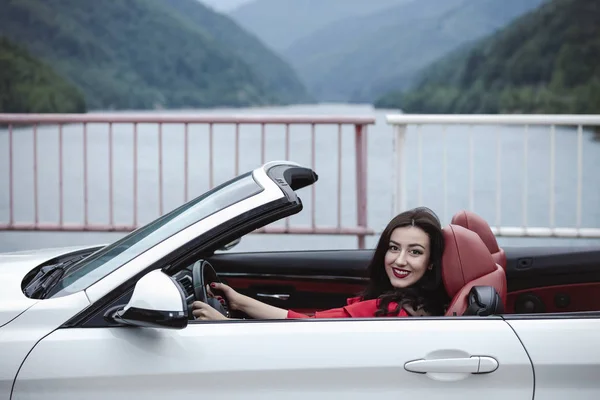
x=547 y=61
x=280 y=23
x=359 y=58
x=140 y=54
x=276 y=74
x=27 y=85
x=224 y=5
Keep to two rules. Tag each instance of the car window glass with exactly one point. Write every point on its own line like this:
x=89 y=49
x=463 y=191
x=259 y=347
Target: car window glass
x=113 y=256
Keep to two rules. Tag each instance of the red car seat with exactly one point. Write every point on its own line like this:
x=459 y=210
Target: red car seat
x=475 y=223
x=466 y=263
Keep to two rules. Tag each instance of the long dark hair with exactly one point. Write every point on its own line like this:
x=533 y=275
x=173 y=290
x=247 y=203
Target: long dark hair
x=428 y=293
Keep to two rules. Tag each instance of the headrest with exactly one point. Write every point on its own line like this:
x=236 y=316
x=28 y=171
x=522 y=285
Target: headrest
x=475 y=223
x=465 y=258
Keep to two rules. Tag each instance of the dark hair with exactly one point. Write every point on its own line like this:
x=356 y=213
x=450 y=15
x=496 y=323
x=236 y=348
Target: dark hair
x=428 y=293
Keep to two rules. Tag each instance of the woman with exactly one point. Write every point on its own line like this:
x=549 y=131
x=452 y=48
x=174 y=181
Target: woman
x=404 y=277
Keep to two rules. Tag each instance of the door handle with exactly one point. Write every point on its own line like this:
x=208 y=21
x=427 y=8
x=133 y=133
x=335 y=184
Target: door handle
x=473 y=365
x=278 y=296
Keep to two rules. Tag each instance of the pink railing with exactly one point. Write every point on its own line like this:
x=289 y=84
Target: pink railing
x=18 y=126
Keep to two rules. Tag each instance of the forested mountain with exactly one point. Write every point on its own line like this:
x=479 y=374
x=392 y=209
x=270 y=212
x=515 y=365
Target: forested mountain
x=277 y=75
x=29 y=86
x=280 y=23
x=139 y=54
x=358 y=59
x=547 y=61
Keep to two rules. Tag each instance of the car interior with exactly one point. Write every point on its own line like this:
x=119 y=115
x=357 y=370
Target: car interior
x=481 y=277
x=536 y=279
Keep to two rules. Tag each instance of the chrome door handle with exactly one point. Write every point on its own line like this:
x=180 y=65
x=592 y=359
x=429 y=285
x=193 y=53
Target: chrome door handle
x=473 y=365
x=281 y=296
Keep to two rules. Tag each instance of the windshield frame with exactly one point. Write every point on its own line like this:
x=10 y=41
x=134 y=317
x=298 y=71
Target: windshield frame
x=159 y=230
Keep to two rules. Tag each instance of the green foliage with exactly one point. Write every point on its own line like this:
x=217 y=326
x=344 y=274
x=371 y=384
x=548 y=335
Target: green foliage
x=277 y=76
x=138 y=54
x=547 y=61
x=29 y=86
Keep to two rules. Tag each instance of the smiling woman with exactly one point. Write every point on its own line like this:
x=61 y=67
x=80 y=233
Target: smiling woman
x=405 y=277
x=406 y=268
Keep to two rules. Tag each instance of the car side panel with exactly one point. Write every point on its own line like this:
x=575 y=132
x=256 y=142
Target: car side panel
x=19 y=336
x=565 y=352
x=293 y=359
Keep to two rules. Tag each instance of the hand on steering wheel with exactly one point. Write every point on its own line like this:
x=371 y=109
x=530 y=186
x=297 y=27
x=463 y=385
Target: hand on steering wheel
x=203 y=274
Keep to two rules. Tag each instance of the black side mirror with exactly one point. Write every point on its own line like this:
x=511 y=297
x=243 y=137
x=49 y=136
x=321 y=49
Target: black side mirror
x=483 y=301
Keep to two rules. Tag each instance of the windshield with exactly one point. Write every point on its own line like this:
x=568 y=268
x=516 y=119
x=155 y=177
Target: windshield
x=111 y=257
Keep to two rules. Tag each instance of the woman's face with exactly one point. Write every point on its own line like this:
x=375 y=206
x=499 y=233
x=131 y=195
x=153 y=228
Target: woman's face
x=407 y=257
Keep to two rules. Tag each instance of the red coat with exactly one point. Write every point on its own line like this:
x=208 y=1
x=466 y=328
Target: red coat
x=355 y=308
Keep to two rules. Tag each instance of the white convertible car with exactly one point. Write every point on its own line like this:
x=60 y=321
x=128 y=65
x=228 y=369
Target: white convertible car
x=113 y=322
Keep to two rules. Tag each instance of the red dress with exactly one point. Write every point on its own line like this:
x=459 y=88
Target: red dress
x=355 y=308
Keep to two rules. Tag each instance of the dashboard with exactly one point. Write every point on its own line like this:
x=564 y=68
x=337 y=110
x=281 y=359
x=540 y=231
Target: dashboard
x=184 y=279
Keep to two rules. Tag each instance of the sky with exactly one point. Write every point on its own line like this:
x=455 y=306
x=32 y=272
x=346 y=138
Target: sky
x=224 y=5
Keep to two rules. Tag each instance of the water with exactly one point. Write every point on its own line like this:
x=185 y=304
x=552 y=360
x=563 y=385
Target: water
x=380 y=176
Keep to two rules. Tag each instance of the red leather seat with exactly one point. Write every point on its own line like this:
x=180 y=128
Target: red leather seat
x=475 y=223
x=467 y=262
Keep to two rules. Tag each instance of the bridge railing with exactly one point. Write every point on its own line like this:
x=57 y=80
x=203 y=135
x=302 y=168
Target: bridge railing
x=110 y=171
x=522 y=151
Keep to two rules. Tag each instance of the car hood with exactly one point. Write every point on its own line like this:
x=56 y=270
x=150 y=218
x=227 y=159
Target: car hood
x=13 y=268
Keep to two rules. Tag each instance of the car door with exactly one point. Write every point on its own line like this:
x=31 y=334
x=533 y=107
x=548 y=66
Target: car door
x=450 y=358
x=565 y=352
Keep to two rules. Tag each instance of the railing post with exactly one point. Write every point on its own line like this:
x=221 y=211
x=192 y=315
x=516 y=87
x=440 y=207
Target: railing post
x=361 y=181
x=398 y=170
x=359 y=228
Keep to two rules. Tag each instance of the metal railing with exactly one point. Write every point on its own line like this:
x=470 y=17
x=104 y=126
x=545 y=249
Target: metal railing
x=503 y=126
x=152 y=140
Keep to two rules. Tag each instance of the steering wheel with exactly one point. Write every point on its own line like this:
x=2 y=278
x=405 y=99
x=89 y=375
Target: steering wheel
x=203 y=274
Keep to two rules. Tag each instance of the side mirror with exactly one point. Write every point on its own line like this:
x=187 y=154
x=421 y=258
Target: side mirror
x=483 y=301
x=231 y=245
x=157 y=302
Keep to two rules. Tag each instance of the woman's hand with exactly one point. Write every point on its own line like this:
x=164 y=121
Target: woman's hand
x=234 y=299
x=205 y=312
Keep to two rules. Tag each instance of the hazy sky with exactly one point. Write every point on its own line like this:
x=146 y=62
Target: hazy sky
x=224 y=5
